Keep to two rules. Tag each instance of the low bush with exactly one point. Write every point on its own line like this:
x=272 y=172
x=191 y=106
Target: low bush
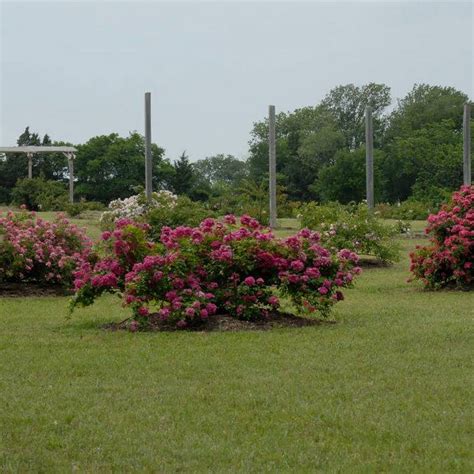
x=406 y=210
x=225 y=267
x=184 y=212
x=38 y=194
x=136 y=207
x=35 y=250
x=352 y=227
x=5 y=195
x=77 y=208
x=449 y=259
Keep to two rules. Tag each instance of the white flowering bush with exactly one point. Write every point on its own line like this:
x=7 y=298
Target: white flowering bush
x=137 y=206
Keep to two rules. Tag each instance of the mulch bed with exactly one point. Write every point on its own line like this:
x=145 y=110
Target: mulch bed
x=373 y=263
x=228 y=323
x=21 y=290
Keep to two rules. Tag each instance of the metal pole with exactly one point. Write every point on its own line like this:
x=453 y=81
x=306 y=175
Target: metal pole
x=369 y=157
x=467 y=144
x=148 y=156
x=70 y=160
x=272 y=165
x=30 y=165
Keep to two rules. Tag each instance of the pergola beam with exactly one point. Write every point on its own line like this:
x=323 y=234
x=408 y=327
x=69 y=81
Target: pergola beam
x=37 y=149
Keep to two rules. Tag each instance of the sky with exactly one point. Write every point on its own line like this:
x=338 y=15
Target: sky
x=80 y=69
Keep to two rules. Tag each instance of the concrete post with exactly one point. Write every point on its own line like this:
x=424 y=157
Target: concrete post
x=467 y=144
x=70 y=160
x=30 y=165
x=148 y=155
x=369 y=157
x=272 y=165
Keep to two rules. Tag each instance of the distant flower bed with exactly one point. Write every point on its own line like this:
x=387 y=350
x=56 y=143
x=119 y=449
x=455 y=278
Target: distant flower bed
x=449 y=259
x=233 y=267
x=34 y=250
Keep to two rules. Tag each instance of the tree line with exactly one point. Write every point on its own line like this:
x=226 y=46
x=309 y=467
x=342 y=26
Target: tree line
x=320 y=154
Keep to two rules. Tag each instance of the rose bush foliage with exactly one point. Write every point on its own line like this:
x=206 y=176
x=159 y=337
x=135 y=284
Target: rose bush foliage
x=352 y=227
x=449 y=259
x=32 y=249
x=229 y=267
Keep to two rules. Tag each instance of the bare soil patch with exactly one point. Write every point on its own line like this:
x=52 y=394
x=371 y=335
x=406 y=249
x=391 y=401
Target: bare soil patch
x=370 y=262
x=227 y=323
x=22 y=290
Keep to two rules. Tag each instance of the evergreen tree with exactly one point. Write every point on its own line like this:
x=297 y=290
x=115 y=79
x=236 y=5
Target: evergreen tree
x=184 y=176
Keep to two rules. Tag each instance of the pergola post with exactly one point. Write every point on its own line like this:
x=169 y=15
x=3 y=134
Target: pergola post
x=30 y=165
x=70 y=162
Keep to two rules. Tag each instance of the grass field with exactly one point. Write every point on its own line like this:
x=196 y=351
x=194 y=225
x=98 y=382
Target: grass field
x=388 y=388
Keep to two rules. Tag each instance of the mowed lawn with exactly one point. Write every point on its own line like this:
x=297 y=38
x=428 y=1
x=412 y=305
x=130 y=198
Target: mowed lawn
x=387 y=388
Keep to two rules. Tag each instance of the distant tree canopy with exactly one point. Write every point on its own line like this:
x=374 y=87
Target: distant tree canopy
x=110 y=167
x=320 y=149
x=320 y=154
x=221 y=169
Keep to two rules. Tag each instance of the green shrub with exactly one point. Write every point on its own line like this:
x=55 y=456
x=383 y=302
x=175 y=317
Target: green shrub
x=352 y=227
x=5 y=196
x=407 y=210
x=39 y=194
x=312 y=214
x=183 y=213
x=77 y=208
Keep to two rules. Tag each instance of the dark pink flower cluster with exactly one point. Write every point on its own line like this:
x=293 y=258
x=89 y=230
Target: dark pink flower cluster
x=221 y=267
x=32 y=249
x=449 y=259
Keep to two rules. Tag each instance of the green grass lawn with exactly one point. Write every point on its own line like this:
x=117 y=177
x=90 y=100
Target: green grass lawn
x=388 y=388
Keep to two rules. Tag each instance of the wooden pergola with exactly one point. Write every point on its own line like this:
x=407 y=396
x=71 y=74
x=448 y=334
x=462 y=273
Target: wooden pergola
x=68 y=151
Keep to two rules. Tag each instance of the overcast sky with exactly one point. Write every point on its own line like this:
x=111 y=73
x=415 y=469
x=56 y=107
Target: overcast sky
x=79 y=69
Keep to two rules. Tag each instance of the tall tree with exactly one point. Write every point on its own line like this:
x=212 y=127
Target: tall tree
x=430 y=157
x=344 y=180
x=425 y=105
x=221 y=168
x=110 y=167
x=184 y=178
x=347 y=103
x=306 y=140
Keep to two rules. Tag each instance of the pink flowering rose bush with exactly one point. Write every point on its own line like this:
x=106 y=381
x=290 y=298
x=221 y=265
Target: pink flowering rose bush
x=449 y=259
x=35 y=250
x=113 y=257
x=231 y=267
